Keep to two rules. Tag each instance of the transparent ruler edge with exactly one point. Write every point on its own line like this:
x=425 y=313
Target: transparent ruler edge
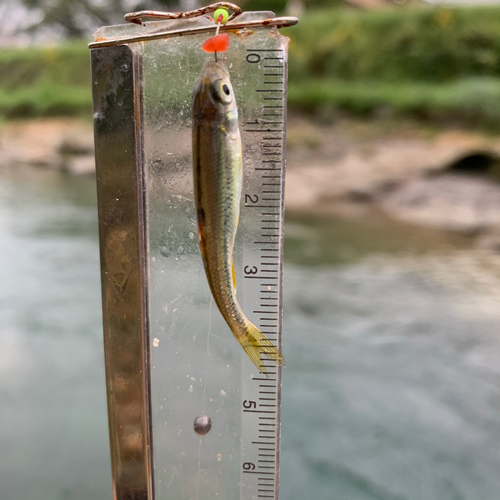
x=260 y=468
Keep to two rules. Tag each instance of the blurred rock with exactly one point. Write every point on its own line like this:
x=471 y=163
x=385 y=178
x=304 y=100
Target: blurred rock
x=78 y=142
x=446 y=180
x=33 y=143
x=81 y=165
x=50 y=143
x=352 y=165
x=346 y=169
x=450 y=202
x=490 y=240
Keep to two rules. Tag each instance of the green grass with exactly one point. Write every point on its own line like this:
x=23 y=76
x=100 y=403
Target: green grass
x=471 y=102
x=433 y=64
x=393 y=44
x=45 y=81
x=45 y=99
x=68 y=63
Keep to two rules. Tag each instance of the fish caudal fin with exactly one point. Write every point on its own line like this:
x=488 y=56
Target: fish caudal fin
x=255 y=342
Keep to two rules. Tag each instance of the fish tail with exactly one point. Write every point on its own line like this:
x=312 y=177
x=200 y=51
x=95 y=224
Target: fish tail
x=254 y=342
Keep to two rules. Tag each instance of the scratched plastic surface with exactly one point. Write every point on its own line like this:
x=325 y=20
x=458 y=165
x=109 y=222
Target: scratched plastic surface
x=198 y=368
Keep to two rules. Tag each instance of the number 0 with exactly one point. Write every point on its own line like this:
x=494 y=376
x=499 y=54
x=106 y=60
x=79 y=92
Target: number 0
x=253 y=58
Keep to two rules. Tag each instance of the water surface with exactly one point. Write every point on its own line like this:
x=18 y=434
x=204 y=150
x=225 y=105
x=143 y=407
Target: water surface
x=392 y=383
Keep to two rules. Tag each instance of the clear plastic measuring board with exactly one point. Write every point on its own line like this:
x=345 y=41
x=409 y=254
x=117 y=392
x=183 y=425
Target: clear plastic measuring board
x=170 y=357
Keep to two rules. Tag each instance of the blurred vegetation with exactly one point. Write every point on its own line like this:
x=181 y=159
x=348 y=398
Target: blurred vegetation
x=280 y=6
x=423 y=44
x=428 y=63
x=473 y=102
x=431 y=63
x=77 y=18
x=45 y=81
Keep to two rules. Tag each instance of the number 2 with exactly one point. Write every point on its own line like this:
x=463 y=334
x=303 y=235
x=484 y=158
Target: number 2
x=248 y=198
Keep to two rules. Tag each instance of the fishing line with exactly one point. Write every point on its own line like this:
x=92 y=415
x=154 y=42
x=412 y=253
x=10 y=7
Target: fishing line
x=219 y=22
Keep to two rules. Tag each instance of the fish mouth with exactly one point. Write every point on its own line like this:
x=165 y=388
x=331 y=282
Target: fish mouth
x=210 y=73
x=213 y=70
x=206 y=97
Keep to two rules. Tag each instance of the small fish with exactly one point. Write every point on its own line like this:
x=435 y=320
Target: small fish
x=217 y=168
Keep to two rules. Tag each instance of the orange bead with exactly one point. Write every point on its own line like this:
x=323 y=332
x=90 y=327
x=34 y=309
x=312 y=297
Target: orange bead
x=218 y=43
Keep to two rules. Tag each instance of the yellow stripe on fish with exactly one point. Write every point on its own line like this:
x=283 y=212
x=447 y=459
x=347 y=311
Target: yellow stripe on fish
x=217 y=169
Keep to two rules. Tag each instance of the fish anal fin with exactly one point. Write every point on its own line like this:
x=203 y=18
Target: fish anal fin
x=234 y=276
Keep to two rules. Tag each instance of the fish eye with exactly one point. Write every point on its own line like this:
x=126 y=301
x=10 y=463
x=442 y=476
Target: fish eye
x=222 y=92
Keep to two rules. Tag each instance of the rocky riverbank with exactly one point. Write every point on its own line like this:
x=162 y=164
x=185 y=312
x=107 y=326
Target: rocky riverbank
x=448 y=180
x=56 y=144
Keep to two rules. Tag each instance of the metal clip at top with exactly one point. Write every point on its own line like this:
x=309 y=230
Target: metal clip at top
x=234 y=23
x=136 y=17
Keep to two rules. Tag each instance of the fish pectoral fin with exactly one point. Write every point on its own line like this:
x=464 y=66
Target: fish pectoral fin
x=254 y=342
x=201 y=236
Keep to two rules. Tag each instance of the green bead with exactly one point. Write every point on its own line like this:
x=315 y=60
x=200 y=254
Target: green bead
x=224 y=13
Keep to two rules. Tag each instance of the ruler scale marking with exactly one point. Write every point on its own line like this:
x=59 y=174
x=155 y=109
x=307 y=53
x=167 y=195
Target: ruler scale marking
x=262 y=456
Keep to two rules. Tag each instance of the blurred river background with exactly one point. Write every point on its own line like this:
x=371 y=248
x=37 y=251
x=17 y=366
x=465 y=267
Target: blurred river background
x=391 y=389
x=392 y=272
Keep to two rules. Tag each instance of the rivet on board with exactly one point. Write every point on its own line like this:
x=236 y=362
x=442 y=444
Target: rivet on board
x=202 y=425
